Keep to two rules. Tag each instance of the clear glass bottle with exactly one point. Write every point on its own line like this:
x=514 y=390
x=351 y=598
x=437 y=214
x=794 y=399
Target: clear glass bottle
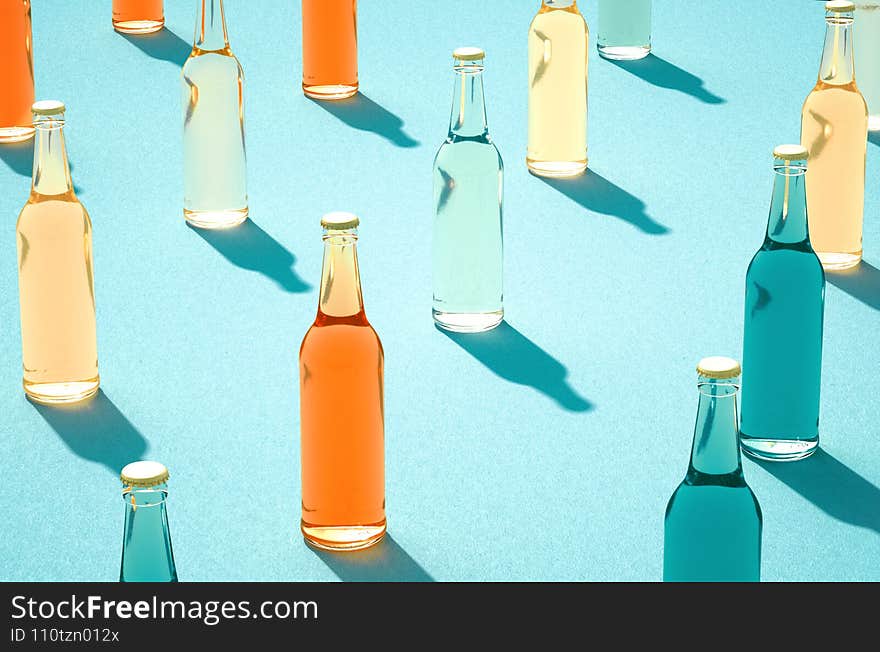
x=784 y=313
x=214 y=160
x=713 y=521
x=867 y=53
x=468 y=189
x=138 y=16
x=146 y=543
x=16 y=72
x=558 y=51
x=624 y=29
x=342 y=431
x=55 y=274
x=834 y=126
x=330 y=51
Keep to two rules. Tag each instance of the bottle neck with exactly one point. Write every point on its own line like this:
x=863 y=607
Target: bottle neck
x=210 y=27
x=788 y=208
x=559 y=4
x=468 y=119
x=837 y=67
x=715 y=450
x=51 y=173
x=146 y=546
x=340 y=279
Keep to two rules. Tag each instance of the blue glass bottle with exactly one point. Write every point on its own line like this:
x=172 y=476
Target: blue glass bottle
x=468 y=172
x=713 y=520
x=784 y=311
x=146 y=544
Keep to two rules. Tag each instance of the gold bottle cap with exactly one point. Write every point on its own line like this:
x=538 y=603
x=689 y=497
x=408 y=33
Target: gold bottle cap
x=791 y=152
x=840 y=6
x=47 y=107
x=144 y=474
x=719 y=367
x=469 y=54
x=340 y=221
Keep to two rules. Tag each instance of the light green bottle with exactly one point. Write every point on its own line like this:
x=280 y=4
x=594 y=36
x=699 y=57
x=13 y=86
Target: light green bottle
x=624 y=29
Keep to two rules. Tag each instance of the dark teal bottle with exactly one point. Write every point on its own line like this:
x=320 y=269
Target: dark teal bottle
x=713 y=520
x=782 y=339
x=146 y=544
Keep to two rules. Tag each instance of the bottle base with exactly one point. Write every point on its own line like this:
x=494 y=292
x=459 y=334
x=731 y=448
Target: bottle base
x=468 y=322
x=138 y=26
x=834 y=261
x=778 y=450
x=624 y=52
x=61 y=393
x=874 y=123
x=215 y=219
x=343 y=538
x=556 y=169
x=15 y=134
x=330 y=91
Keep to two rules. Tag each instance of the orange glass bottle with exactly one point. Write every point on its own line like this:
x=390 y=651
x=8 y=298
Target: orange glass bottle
x=138 y=16
x=342 y=432
x=329 y=49
x=16 y=71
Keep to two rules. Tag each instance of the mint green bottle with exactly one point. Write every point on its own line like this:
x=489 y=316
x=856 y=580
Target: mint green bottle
x=624 y=29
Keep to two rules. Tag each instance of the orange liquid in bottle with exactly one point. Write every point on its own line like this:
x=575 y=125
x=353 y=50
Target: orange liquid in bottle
x=16 y=71
x=329 y=49
x=341 y=412
x=138 y=16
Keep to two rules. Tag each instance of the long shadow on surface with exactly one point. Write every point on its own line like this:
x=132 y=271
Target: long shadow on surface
x=164 y=45
x=384 y=562
x=511 y=355
x=249 y=247
x=96 y=430
x=874 y=137
x=861 y=282
x=360 y=112
x=660 y=72
x=833 y=487
x=19 y=157
x=594 y=192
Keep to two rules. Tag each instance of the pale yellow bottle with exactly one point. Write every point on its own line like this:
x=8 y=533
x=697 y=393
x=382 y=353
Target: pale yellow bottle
x=834 y=129
x=55 y=277
x=558 y=50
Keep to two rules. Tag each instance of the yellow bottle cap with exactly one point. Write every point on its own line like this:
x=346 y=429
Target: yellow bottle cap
x=839 y=6
x=340 y=221
x=719 y=367
x=144 y=474
x=48 y=107
x=790 y=152
x=469 y=54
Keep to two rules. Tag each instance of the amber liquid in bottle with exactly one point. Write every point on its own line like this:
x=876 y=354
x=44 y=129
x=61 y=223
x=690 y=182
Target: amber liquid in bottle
x=55 y=279
x=138 y=16
x=329 y=49
x=16 y=71
x=341 y=410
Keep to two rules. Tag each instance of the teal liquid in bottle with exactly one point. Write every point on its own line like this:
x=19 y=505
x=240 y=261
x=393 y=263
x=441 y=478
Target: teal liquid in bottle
x=713 y=520
x=782 y=339
x=624 y=29
x=467 y=245
x=146 y=543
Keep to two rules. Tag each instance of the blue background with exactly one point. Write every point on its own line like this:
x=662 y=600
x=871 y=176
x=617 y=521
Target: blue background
x=546 y=450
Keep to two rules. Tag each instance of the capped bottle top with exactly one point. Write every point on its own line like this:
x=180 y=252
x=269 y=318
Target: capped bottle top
x=144 y=474
x=840 y=6
x=339 y=221
x=719 y=367
x=469 y=54
x=47 y=107
x=791 y=152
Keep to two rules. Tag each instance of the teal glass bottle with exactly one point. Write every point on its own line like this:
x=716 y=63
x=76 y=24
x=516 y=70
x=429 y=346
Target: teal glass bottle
x=784 y=312
x=713 y=520
x=146 y=544
x=468 y=182
x=624 y=29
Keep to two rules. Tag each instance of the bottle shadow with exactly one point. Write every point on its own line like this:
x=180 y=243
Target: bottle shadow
x=163 y=45
x=384 y=562
x=861 y=282
x=874 y=137
x=659 y=72
x=833 y=487
x=595 y=193
x=360 y=112
x=19 y=157
x=249 y=247
x=96 y=430
x=512 y=356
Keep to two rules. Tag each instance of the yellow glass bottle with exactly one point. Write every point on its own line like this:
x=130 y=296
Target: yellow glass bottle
x=55 y=276
x=558 y=49
x=834 y=129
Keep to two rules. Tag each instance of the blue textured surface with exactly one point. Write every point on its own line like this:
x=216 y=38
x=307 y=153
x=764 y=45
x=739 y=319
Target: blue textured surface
x=544 y=451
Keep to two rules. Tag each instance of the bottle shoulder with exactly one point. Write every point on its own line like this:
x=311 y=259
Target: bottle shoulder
x=779 y=259
x=62 y=213
x=211 y=62
x=468 y=151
